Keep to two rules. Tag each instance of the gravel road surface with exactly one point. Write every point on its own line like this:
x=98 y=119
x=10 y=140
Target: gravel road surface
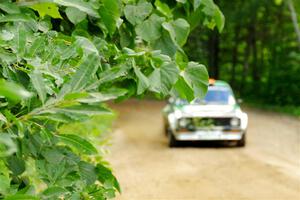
x=268 y=168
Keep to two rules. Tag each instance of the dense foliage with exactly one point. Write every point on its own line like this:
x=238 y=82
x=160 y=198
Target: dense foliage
x=60 y=60
x=258 y=52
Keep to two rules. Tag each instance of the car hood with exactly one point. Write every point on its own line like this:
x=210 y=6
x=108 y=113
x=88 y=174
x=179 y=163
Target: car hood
x=209 y=110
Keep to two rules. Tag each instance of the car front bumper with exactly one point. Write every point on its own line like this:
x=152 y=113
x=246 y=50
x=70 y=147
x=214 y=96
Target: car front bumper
x=209 y=135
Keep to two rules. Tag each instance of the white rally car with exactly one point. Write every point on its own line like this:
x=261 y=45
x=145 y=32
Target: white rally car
x=216 y=117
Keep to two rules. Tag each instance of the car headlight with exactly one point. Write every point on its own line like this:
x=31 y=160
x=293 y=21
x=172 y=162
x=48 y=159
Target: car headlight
x=235 y=122
x=184 y=122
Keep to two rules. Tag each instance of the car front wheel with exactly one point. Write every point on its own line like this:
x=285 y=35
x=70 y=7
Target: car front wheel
x=172 y=140
x=242 y=142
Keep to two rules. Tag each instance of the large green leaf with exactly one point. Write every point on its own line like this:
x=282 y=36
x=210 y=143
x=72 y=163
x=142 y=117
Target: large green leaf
x=78 y=143
x=163 y=8
x=165 y=44
x=150 y=29
x=163 y=78
x=38 y=84
x=13 y=91
x=178 y=30
x=80 y=5
x=196 y=77
x=46 y=8
x=184 y=90
x=75 y=15
x=213 y=11
x=135 y=14
x=109 y=13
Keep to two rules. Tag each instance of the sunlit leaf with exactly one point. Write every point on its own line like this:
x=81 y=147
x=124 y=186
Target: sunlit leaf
x=13 y=91
x=78 y=143
x=46 y=8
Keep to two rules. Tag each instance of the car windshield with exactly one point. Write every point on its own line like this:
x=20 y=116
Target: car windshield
x=216 y=95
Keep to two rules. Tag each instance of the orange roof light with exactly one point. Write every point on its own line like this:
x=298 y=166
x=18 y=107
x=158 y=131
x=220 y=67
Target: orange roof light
x=211 y=81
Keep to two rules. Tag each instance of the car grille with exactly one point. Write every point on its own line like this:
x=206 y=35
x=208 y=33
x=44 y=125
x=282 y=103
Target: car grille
x=204 y=122
x=198 y=123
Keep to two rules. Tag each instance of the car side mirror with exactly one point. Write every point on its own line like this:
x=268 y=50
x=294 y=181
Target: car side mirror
x=239 y=101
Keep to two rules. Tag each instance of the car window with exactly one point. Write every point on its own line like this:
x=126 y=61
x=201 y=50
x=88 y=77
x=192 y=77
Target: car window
x=218 y=95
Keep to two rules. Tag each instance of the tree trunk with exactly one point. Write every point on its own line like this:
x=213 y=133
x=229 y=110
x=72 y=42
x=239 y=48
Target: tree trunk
x=294 y=20
x=213 y=57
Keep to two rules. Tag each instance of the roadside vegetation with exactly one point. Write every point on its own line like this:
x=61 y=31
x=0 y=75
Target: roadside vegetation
x=60 y=60
x=258 y=52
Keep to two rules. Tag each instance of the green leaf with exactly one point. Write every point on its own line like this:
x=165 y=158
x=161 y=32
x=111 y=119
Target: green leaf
x=136 y=14
x=16 y=18
x=150 y=29
x=87 y=172
x=78 y=143
x=38 y=84
x=165 y=44
x=163 y=78
x=80 y=5
x=35 y=47
x=87 y=45
x=16 y=165
x=4 y=178
x=109 y=13
x=46 y=8
x=109 y=75
x=106 y=177
x=196 y=4
x=75 y=15
x=54 y=191
x=184 y=90
x=163 y=8
x=213 y=11
x=88 y=110
x=13 y=91
x=142 y=81
x=3 y=118
x=219 y=19
x=21 y=197
x=85 y=72
x=10 y=8
x=178 y=30
x=95 y=97
x=21 y=39
x=8 y=145
x=197 y=78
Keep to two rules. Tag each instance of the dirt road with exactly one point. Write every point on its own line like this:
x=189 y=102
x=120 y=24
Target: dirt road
x=268 y=168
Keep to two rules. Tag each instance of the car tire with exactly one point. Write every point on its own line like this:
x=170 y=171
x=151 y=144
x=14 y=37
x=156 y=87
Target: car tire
x=172 y=140
x=166 y=128
x=242 y=142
